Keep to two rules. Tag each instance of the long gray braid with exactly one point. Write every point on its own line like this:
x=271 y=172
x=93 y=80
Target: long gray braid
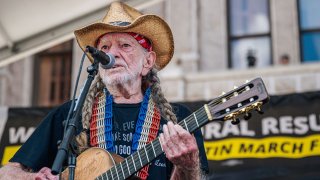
x=82 y=140
x=158 y=97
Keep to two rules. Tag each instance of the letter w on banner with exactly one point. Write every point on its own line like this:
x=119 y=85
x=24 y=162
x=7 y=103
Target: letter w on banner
x=16 y=126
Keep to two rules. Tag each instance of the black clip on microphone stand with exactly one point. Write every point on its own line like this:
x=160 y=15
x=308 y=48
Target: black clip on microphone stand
x=71 y=126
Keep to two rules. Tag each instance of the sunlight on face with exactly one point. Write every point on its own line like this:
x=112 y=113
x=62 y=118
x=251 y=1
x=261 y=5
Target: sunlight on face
x=129 y=58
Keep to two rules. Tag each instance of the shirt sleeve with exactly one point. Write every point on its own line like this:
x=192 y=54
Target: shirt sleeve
x=41 y=147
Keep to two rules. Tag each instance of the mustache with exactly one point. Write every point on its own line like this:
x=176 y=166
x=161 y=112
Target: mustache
x=120 y=64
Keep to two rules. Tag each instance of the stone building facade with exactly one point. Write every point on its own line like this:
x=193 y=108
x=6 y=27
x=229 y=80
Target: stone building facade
x=201 y=67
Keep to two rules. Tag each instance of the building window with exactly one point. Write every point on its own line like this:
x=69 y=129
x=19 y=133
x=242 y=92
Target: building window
x=309 y=18
x=249 y=34
x=53 y=75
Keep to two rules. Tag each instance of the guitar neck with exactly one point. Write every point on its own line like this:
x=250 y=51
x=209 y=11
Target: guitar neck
x=145 y=155
x=228 y=106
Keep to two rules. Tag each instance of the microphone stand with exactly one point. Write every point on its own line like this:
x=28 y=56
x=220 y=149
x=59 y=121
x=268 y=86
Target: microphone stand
x=72 y=165
x=71 y=126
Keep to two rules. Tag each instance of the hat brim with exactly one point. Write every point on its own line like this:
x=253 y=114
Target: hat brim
x=151 y=26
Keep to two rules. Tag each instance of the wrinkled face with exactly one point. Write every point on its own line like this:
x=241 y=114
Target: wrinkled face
x=131 y=59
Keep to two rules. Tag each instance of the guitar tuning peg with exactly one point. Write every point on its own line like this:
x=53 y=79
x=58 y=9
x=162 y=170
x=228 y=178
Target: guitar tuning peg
x=222 y=94
x=259 y=110
x=235 y=121
x=235 y=87
x=247 y=116
x=247 y=81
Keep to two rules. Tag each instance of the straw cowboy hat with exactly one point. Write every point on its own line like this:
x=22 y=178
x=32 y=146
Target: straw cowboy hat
x=123 y=18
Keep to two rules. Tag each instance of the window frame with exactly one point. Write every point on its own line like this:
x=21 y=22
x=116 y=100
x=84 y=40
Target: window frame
x=51 y=58
x=302 y=31
x=238 y=37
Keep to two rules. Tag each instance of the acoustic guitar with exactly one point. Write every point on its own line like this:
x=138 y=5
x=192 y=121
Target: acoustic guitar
x=97 y=163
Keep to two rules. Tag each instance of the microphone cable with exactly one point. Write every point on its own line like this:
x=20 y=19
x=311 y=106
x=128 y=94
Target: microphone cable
x=74 y=92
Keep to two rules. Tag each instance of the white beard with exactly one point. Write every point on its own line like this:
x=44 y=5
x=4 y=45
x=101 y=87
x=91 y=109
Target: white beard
x=122 y=79
x=126 y=76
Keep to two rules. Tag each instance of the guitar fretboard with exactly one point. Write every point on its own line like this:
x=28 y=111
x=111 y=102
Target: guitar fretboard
x=145 y=155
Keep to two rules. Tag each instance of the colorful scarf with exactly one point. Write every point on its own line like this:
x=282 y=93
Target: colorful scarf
x=146 y=129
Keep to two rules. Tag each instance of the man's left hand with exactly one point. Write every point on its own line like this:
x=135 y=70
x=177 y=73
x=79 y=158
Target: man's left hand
x=180 y=147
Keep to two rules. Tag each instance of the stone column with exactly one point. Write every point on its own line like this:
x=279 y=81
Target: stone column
x=27 y=83
x=181 y=16
x=213 y=35
x=2 y=86
x=285 y=30
x=17 y=81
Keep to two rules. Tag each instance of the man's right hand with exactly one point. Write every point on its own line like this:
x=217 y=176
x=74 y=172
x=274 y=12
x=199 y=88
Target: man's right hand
x=15 y=170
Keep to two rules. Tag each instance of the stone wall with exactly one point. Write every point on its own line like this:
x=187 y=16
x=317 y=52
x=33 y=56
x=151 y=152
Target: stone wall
x=182 y=83
x=285 y=32
x=199 y=69
x=206 y=86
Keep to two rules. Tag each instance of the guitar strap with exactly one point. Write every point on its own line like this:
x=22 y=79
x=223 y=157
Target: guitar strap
x=146 y=128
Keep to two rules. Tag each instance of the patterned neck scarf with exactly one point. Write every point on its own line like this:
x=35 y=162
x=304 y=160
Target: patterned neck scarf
x=146 y=129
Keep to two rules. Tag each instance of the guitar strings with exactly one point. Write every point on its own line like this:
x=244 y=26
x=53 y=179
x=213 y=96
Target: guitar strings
x=148 y=147
x=125 y=170
x=201 y=118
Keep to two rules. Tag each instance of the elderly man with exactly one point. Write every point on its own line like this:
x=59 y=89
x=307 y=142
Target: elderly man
x=128 y=97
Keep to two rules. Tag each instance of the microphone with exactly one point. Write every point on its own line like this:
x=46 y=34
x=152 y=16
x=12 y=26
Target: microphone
x=106 y=60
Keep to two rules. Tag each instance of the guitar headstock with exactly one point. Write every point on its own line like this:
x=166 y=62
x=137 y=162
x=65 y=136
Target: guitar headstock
x=240 y=101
